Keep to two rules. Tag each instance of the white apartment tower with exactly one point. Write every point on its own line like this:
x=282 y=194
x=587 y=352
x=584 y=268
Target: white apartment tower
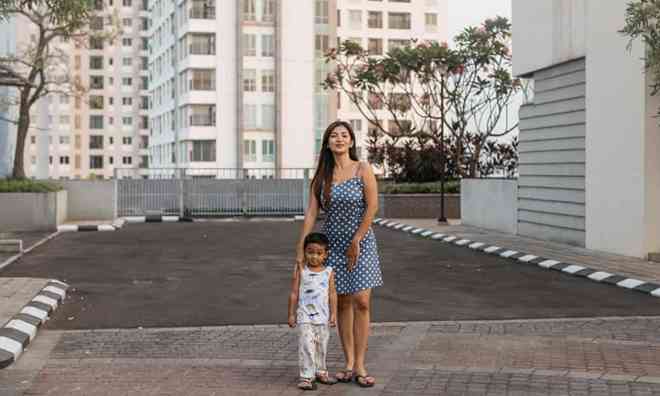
x=88 y=136
x=240 y=85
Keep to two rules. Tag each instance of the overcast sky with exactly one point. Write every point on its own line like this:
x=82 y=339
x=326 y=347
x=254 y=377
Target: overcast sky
x=471 y=12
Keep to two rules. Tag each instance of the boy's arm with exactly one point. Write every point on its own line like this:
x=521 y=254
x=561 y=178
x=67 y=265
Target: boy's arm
x=293 y=298
x=332 y=296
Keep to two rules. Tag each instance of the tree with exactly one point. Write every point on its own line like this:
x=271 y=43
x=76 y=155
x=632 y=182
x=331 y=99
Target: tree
x=641 y=21
x=40 y=67
x=426 y=95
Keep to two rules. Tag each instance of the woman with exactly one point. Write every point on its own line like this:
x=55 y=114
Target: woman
x=346 y=190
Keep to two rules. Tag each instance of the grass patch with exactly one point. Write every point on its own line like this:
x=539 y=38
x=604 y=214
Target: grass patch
x=27 y=186
x=451 y=187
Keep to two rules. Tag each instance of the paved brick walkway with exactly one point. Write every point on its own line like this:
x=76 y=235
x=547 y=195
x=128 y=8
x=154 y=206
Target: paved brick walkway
x=606 y=356
x=624 y=265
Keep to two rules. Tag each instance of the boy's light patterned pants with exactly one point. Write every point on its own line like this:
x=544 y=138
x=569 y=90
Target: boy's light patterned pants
x=312 y=349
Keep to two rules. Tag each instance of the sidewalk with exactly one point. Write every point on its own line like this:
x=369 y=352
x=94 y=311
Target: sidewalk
x=15 y=293
x=612 y=263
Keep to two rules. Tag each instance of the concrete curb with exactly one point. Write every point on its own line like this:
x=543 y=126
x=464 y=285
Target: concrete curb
x=21 y=329
x=527 y=258
x=84 y=227
x=156 y=219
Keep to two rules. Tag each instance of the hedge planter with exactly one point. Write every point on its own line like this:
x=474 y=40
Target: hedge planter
x=418 y=206
x=32 y=211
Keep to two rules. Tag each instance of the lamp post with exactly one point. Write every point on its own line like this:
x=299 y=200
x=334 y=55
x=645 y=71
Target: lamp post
x=442 y=219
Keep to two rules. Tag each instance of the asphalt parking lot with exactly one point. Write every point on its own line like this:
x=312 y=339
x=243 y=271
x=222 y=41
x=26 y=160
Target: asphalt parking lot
x=222 y=273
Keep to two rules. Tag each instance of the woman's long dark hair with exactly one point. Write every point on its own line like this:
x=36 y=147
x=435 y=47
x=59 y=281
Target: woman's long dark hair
x=322 y=181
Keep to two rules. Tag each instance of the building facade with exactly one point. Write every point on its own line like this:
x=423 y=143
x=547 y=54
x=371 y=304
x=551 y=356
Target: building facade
x=106 y=127
x=589 y=141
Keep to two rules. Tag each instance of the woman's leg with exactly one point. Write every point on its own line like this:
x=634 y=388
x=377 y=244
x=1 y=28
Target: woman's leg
x=345 y=328
x=361 y=321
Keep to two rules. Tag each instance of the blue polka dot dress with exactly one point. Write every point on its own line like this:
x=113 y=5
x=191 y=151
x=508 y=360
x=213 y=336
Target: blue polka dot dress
x=343 y=218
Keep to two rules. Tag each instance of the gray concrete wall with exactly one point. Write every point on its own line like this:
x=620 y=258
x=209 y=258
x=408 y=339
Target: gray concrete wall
x=490 y=203
x=89 y=199
x=32 y=211
x=551 y=185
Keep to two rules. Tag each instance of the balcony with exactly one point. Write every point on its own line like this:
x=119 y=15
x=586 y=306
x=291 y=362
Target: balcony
x=202 y=11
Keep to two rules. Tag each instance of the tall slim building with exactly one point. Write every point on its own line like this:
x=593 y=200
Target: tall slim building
x=107 y=127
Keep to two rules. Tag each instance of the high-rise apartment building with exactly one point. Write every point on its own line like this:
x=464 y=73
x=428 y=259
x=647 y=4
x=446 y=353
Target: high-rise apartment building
x=106 y=127
x=240 y=87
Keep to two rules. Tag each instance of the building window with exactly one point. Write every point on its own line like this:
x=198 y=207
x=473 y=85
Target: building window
x=375 y=46
x=250 y=116
x=203 y=151
x=126 y=81
x=95 y=162
x=33 y=139
x=399 y=20
x=127 y=62
x=96 y=142
x=267 y=45
x=267 y=81
x=202 y=79
x=65 y=140
x=249 y=80
x=269 y=11
x=127 y=121
x=127 y=140
x=322 y=43
x=393 y=43
x=96 y=102
x=431 y=21
x=249 y=10
x=96 y=62
x=321 y=12
x=127 y=160
x=355 y=19
x=127 y=42
x=127 y=101
x=268 y=150
x=95 y=43
x=375 y=20
x=202 y=9
x=201 y=43
x=250 y=150
x=356 y=125
x=127 y=3
x=64 y=160
x=267 y=116
x=96 y=122
x=249 y=45
x=96 y=82
x=127 y=22
x=64 y=120
x=338 y=17
x=202 y=115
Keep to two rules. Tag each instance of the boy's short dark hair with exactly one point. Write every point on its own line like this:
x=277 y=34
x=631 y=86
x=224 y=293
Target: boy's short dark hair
x=318 y=238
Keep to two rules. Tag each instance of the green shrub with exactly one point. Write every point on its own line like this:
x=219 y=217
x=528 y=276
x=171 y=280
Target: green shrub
x=27 y=186
x=451 y=187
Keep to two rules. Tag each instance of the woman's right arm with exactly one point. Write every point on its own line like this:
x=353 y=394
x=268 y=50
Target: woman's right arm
x=308 y=225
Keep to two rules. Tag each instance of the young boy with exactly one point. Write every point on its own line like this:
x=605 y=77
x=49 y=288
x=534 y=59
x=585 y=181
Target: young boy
x=313 y=307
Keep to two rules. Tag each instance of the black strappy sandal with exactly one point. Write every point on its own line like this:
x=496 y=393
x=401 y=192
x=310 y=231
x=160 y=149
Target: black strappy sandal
x=364 y=383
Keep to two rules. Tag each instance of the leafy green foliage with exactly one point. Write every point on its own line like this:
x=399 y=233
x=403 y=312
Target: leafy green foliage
x=642 y=18
x=451 y=187
x=431 y=107
x=27 y=186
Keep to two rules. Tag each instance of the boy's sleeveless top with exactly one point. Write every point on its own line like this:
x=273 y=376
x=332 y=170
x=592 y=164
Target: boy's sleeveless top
x=313 y=304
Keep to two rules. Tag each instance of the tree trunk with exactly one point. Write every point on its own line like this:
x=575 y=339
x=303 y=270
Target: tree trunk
x=474 y=161
x=21 y=135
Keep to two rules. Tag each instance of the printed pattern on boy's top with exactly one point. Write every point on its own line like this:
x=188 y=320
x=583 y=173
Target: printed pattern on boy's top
x=313 y=304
